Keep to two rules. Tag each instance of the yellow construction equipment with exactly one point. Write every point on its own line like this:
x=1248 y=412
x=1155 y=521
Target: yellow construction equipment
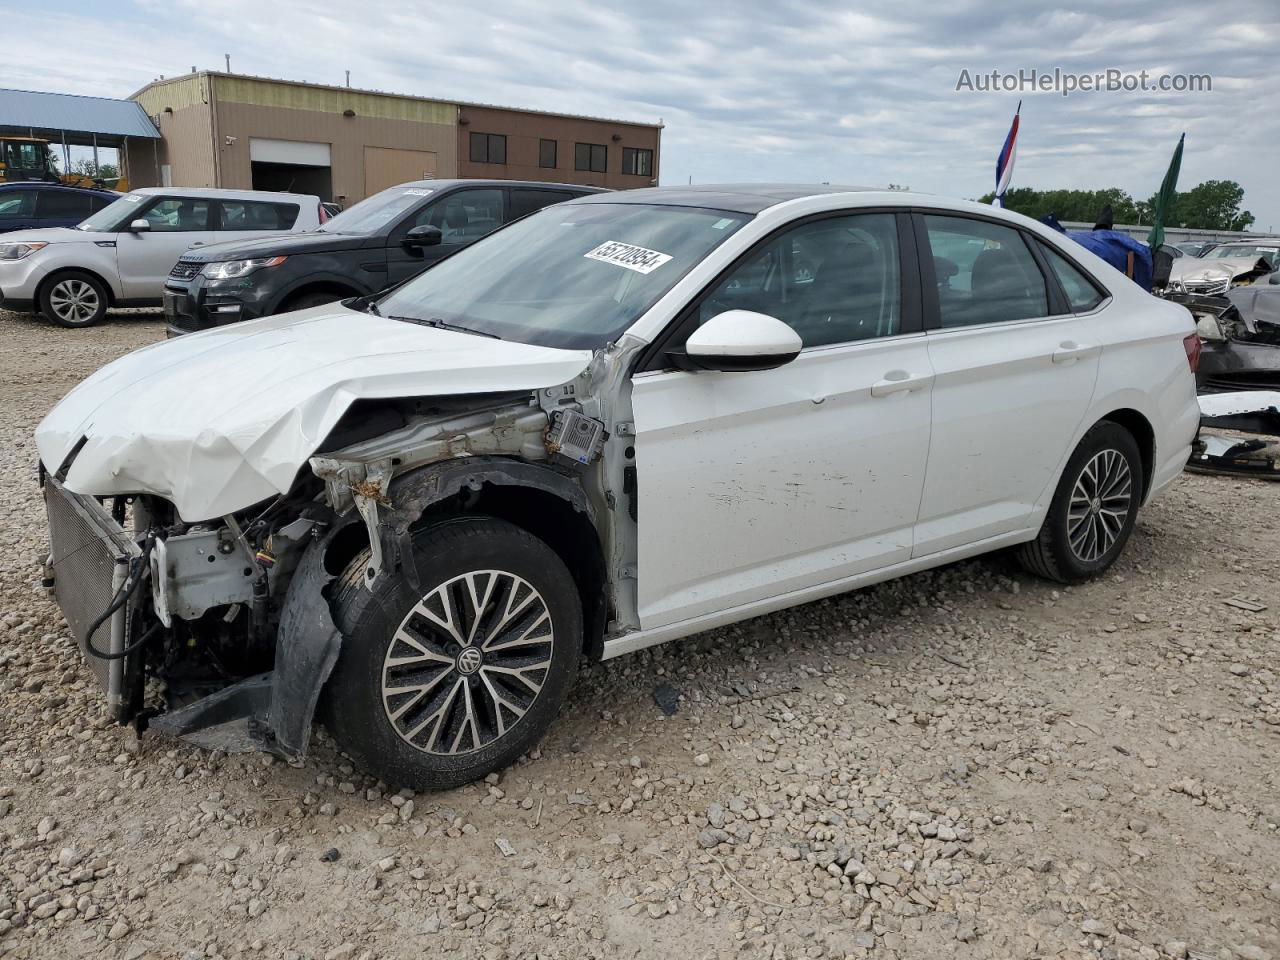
x=30 y=158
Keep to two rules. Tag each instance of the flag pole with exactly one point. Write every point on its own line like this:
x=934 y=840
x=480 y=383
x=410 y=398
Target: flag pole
x=1004 y=161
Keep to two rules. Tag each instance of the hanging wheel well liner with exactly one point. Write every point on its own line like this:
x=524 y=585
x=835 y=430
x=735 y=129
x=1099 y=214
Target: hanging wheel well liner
x=547 y=503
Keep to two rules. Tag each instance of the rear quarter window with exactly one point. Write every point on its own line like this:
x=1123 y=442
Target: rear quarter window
x=1083 y=294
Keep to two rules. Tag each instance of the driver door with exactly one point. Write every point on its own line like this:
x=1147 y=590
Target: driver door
x=144 y=258
x=463 y=216
x=755 y=485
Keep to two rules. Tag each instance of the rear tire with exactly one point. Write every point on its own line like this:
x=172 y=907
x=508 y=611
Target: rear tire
x=430 y=692
x=74 y=299
x=1093 y=510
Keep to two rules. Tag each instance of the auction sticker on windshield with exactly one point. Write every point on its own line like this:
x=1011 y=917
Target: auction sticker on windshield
x=639 y=259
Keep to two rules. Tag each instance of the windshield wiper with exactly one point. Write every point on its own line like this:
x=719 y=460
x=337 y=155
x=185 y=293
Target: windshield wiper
x=439 y=324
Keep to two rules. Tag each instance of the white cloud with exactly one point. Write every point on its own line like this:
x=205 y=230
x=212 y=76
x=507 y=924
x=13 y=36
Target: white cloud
x=800 y=90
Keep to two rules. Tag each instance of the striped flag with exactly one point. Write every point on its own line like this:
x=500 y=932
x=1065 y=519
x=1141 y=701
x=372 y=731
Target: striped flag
x=1004 y=162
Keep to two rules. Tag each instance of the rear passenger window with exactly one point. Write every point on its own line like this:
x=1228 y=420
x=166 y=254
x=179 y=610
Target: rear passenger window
x=985 y=273
x=258 y=215
x=1082 y=294
x=527 y=201
x=832 y=281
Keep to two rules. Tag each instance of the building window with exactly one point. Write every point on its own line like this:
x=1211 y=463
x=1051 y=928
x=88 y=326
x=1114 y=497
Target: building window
x=591 y=156
x=547 y=153
x=637 y=161
x=488 y=148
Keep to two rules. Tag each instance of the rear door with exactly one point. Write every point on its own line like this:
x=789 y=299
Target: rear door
x=754 y=485
x=463 y=217
x=1014 y=375
x=144 y=258
x=18 y=210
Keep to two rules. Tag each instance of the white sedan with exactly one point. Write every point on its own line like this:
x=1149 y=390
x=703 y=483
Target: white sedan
x=614 y=423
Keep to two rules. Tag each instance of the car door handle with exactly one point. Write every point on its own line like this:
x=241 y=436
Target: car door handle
x=1069 y=351
x=897 y=381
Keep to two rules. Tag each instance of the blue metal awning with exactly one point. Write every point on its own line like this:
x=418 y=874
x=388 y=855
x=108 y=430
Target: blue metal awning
x=78 y=117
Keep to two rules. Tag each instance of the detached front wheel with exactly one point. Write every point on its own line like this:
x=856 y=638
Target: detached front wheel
x=439 y=686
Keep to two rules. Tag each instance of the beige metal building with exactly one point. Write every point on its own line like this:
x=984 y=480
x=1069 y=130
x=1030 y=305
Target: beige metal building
x=242 y=132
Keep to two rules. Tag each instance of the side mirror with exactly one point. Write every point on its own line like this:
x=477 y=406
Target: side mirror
x=742 y=340
x=423 y=236
x=140 y=226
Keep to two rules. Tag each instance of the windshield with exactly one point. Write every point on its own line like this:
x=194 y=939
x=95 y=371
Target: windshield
x=572 y=275
x=1245 y=251
x=114 y=215
x=373 y=213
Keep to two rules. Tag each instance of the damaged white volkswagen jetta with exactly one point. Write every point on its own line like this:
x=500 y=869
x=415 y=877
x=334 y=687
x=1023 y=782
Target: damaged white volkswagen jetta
x=619 y=421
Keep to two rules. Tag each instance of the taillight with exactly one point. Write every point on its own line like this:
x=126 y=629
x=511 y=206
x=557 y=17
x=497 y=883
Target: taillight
x=1191 y=342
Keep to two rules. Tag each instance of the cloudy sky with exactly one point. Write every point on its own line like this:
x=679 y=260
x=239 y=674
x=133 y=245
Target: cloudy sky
x=753 y=90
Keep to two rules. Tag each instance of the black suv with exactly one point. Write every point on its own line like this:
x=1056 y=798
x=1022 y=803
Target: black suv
x=381 y=241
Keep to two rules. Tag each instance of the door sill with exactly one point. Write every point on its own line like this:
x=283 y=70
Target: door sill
x=639 y=639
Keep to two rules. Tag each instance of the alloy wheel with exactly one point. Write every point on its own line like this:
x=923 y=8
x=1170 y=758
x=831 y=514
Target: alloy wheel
x=74 y=301
x=1100 y=503
x=467 y=662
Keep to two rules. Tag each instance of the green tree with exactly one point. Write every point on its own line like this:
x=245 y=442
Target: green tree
x=1212 y=205
x=107 y=171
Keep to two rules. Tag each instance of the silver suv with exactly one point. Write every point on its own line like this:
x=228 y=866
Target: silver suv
x=120 y=256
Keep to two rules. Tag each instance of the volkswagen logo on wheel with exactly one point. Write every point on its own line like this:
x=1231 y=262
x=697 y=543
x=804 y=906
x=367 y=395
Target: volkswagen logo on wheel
x=469 y=660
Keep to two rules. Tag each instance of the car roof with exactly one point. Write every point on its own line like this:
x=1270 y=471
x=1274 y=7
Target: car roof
x=1253 y=242
x=748 y=198
x=449 y=184
x=216 y=193
x=46 y=185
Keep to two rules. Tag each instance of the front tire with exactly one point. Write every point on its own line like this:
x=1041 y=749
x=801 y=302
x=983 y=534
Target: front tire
x=1093 y=510
x=440 y=686
x=74 y=299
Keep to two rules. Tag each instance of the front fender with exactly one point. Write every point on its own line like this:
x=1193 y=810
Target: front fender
x=413 y=494
x=308 y=640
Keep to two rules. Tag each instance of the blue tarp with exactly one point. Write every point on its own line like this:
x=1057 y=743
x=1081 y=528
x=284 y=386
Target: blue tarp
x=1115 y=247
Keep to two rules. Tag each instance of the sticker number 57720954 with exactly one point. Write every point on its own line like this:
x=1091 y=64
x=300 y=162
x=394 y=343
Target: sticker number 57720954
x=639 y=259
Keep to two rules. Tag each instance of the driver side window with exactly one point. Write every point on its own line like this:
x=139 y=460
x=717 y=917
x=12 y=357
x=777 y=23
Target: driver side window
x=464 y=216
x=834 y=280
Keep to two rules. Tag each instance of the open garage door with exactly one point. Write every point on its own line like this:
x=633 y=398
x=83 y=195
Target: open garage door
x=291 y=165
x=386 y=166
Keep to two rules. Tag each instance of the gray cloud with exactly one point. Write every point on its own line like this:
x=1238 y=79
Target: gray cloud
x=797 y=90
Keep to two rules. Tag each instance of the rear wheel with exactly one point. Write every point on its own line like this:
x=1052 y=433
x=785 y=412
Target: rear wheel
x=438 y=686
x=1093 y=510
x=74 y=299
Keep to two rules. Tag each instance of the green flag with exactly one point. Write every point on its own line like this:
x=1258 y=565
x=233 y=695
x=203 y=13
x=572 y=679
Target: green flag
x=1164 y=199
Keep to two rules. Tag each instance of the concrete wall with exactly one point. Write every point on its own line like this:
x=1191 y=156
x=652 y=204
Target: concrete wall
x=524 y=130
x=1174 y=234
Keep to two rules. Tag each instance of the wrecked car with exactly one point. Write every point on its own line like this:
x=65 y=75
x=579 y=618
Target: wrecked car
x=1223 y=267
x=1240 y=337
x=619 y=421
x=1239 y=435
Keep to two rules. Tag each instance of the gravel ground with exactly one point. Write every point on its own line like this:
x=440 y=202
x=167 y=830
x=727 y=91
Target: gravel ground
x=964 y=763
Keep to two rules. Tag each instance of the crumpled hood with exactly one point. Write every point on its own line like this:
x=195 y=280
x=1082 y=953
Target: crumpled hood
x=217 y=421
x=1197 y=268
